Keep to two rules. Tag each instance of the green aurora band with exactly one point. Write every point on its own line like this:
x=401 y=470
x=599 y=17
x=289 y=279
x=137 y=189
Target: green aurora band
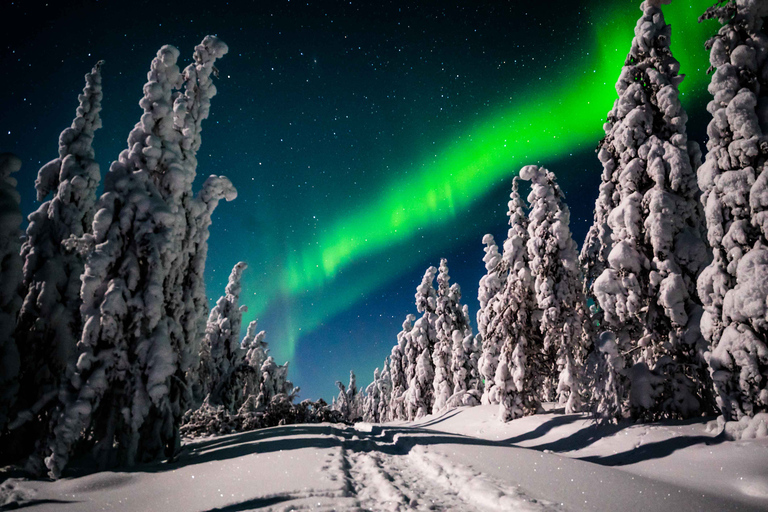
x=542 y=126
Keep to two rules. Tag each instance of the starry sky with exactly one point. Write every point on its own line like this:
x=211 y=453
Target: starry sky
x=366 y=139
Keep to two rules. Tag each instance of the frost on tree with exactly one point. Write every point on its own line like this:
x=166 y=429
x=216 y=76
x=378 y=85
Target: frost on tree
x=221 y=354
x=554 y=267
x=399 y=371
x=49 y=322
x=734 y=184
x=10 y=283
x=451 y=317
x=645 y=249
x=129 y=389
x=517 y=378
x=490 y=285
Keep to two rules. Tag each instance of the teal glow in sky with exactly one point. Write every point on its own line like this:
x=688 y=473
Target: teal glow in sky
x=365 y=142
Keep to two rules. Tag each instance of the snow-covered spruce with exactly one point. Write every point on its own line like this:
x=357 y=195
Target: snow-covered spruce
x=384 y=386
x=349 y=403
x=454 y=369
x=734 y=182
x=646 y=241
x=398 y=371
x=553 y=260
x=518 y=375
x=372 y=399
x=129 y=388
x=49 y=322
x=420 y=372
x=221 y=353
x=490 y=285
x=10 y=283
x=256 y=351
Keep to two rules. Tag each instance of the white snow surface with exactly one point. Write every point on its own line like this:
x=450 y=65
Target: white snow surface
x=462 y=459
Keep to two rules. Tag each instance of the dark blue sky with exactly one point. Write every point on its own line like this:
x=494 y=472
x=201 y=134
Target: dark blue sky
x=328 y=114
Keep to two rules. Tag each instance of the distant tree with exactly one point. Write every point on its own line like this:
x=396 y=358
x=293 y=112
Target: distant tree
x=451 y=317
x=384 y=386
x=490 y=285
x=419 y=393
x=734 y=181
x=399 y=371
x=222 y=354
x=10 y=283
x=553 y=261
x=423 y=337
x=372 y=399
x=518 y=378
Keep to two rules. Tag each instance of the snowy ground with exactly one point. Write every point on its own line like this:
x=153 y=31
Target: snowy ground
x=462 y=460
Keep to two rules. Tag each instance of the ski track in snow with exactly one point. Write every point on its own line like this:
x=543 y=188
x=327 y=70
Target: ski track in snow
x=373 y=480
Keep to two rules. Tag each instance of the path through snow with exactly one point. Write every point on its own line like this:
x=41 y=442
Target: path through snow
x=462 y=461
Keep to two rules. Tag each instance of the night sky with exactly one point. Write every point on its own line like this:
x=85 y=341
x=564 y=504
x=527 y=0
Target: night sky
x=365 y=141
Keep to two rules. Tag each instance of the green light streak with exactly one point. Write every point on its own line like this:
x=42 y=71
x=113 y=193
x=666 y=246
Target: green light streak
x=542 y=124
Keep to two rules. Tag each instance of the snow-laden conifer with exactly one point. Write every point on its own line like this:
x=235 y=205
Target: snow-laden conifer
x=223 y=354
x=384 y=386
x=399 y=363
x=518 y=375
x=135 y=349
x=451 y=317
x=490 y=285
x=419 y=395
x=10 y=283
x=49 y=322
x=646 y=240
x=734 y=182
x=372 y=399
x=420 y=370
x=557 y=285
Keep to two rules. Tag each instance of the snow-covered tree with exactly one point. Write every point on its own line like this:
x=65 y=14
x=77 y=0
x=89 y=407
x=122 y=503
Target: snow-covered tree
x=419 y=396
x=49 y=322
x=372 y=399
x=222 y=354
x=553 y=262
x=419 y=351
x=399 y=363
x=10 y=283
x=734 y=182
x=646 y=240
x=128 y=392
x=490 y=285
x=517 y=379
x=451 y=317
x=254 y=345
x=384 y=386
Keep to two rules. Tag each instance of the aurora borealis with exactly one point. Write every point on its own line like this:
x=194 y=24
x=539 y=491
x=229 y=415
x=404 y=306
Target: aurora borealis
x=365 y=142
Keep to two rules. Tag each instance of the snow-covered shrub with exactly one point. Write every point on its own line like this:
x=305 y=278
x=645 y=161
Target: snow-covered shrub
x=734 y=182
x=645 y=249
